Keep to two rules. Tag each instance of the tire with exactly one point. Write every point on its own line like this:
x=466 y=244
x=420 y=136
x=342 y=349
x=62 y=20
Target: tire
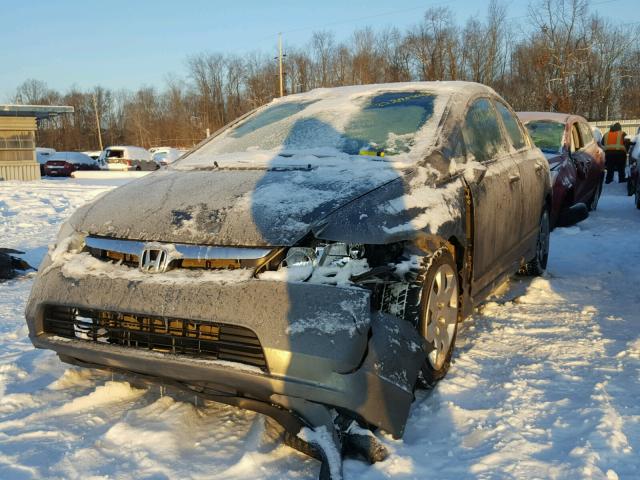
x=538 y=264
x=439 y=307
x=593 y=204
x=631 y=188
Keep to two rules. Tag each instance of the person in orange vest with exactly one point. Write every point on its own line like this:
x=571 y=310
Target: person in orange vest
x=615 y=150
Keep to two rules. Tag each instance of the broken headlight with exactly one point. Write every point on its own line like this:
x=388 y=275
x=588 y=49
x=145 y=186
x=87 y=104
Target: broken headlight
x=68 y=240
x=332 y=263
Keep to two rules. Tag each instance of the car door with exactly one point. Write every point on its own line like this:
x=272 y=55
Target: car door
x=582 y=161
x=496 y=196
x=595 y=157
x=532 y=170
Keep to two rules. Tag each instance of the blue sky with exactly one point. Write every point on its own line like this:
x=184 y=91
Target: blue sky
x=126 y=44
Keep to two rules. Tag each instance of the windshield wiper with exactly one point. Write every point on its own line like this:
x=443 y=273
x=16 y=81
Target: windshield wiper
x=291 y=168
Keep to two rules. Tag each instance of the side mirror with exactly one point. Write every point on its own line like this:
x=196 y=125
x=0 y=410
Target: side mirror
x=474 y=173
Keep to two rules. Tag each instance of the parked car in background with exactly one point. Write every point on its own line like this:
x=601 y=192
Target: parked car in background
x=63 y=164
x=125 y=158
x=633 y=184
x=43 y=154
x=597 y=135
x=164 y=156
x=95 y=154
x=312 y=261
x=576 y=162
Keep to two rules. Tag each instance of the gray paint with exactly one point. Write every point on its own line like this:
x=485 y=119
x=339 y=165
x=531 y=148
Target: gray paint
x=373 y=377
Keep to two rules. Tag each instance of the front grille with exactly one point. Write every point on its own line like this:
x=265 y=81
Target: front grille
x=132 y=260
x=178 y=336
x=202 y=257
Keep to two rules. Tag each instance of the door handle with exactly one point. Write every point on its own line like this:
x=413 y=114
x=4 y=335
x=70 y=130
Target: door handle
x=514 y=178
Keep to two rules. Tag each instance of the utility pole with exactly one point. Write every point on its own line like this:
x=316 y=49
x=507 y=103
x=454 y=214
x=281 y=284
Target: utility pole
x=95 y=108
x=280 y=63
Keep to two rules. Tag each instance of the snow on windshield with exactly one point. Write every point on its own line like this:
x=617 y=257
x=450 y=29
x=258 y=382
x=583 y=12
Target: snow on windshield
x=377 y=124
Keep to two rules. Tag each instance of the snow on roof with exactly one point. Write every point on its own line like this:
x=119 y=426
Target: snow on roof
x=38 y=111
x=72 y=157
x=437 y=87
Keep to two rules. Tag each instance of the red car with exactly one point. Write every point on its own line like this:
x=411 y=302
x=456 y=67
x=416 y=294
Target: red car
x=62 y=164
x=576 y=163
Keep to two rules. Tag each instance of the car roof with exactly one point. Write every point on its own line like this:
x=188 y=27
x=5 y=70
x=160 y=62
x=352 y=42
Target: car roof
x=72 y=157
x=437 y=87
x=553 y=116
x=123 y=147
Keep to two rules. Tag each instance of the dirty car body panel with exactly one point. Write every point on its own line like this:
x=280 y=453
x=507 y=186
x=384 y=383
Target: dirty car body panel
x=202 y=284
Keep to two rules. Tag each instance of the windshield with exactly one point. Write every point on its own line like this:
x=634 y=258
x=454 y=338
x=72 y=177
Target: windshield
x=547 y=135
x=380 y=125
x=160 y=156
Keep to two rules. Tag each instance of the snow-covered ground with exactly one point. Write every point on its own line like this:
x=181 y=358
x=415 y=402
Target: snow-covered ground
x=545 y=383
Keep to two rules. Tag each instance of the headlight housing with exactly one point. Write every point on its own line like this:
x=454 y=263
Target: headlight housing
x=331 y=263
x=68 y=240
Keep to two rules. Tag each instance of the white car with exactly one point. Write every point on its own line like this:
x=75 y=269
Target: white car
x=164 y=156
x=124 y=158
x=95 y=154
x=597 y=134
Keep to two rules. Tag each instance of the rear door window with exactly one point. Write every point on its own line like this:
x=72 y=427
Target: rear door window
x=511 y=125
x=482 y=133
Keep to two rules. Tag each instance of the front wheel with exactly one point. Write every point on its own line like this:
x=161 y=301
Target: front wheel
x=439 y=315
x=538 y=264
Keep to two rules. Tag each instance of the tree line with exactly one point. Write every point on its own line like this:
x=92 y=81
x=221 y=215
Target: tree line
x=560 y=57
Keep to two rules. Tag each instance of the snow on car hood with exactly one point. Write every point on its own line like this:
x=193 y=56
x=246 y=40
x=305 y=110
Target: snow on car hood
x=271 y=206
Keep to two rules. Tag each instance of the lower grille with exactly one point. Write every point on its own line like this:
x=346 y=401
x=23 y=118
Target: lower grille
x=178 y=336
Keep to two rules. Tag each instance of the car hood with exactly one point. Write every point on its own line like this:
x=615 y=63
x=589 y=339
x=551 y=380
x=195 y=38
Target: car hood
x=274 y=206
x=554 y=159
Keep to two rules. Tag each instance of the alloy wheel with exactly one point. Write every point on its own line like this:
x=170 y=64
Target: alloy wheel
x=441 y=314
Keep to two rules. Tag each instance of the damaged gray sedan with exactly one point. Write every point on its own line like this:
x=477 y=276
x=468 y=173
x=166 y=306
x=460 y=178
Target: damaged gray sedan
x=311 y=261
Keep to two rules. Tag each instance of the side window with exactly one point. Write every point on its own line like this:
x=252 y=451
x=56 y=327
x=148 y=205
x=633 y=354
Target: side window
x=575 y=138
x=511 y=125
x=585 y=133
x=481 y=132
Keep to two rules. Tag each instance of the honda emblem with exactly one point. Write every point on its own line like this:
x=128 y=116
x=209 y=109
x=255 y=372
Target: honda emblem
x=154 y=259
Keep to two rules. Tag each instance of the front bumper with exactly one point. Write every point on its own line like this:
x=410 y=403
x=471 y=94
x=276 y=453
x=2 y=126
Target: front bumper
x=322 y=344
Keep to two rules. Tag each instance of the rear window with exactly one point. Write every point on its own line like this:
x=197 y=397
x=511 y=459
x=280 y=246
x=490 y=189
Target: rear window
x=546 y=134
x=115 y=153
